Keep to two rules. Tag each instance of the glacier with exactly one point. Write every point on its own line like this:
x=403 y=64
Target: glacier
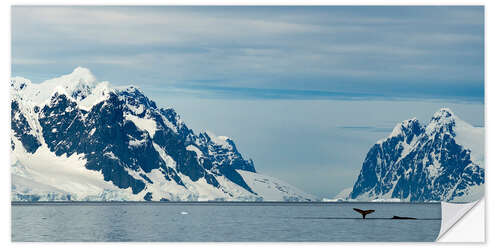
x=75 y=138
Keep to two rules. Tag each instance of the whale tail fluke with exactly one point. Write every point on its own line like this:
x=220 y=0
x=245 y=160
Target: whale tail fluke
x=363 y=212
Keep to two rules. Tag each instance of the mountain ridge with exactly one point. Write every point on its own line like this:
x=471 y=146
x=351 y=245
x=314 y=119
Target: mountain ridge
x=440 y=161
x=146 y=151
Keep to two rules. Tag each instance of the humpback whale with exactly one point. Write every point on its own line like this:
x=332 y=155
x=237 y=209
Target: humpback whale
x=363 y=212
x=395 y=217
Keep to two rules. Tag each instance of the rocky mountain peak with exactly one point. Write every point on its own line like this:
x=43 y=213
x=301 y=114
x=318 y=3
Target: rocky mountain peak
x=407 y=129
x=441 y=161
x=441 y=122
x=96 y=142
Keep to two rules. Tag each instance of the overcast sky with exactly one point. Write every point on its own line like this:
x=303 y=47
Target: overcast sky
x=304 y=91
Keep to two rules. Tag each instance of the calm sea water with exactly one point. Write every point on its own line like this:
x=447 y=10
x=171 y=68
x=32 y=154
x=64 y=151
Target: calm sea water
x=223 y=222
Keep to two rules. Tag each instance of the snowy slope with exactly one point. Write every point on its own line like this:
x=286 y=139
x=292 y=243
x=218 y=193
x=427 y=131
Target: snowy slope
x=272 y=189
x=441 y=161
x=341 y=196
x=74 y=138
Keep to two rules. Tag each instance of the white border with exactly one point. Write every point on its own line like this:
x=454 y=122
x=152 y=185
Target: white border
x=492 y=123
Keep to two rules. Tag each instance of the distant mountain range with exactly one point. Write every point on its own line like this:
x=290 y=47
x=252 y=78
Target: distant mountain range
x=74 y=138
x=440 y=161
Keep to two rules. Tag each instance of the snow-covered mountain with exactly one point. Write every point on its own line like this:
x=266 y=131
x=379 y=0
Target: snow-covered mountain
x=440 y=161
x=74 y=138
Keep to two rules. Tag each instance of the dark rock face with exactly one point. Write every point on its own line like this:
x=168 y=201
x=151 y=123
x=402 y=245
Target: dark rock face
x=433 y=168
x=113 y=144
x=148 y=196
x=380 y=160
x=102 y=134
x=22 y=129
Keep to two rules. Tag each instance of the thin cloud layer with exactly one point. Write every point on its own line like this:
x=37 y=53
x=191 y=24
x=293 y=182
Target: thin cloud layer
x=399 y=51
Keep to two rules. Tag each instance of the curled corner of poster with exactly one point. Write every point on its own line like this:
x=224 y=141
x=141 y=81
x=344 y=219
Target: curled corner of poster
x=462 y=222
